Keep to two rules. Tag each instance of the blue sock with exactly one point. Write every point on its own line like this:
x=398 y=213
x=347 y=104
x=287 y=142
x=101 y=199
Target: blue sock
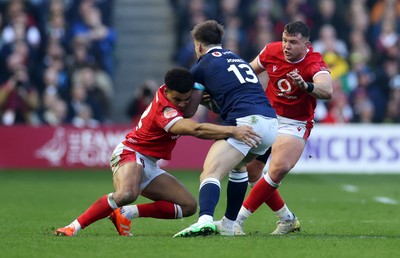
x=236 y=190
x=210 y=190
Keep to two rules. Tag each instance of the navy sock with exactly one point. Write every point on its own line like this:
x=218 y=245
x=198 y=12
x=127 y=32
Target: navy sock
x=236 y=191
x=210 y=190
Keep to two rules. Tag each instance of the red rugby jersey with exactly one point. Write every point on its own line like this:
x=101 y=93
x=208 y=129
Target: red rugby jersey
x=151 y=137
x=288 y=100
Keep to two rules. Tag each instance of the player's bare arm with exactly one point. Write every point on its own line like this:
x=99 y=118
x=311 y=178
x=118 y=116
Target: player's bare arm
x=212 y=131
x=254 y=64
x=263 y=77
x=321 y=87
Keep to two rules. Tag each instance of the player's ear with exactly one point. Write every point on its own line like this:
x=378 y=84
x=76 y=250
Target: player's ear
x=308 y=44
x=200 y=47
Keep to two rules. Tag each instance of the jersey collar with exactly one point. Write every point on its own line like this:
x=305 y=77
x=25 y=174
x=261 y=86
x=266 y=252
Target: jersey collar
x=213 y=48
x=308 y=50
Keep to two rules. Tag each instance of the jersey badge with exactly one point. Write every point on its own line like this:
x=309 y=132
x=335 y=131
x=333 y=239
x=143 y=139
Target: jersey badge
x=216 y=54
x=274 y=68
x=170 y=112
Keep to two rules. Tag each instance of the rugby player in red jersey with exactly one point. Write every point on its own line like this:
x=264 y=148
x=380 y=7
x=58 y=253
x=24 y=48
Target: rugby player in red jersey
x=297 y=77
x=134 y=160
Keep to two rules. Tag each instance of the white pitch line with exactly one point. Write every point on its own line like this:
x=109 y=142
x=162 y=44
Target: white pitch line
x=380 y=199
x=350 y=188
x=385 y=200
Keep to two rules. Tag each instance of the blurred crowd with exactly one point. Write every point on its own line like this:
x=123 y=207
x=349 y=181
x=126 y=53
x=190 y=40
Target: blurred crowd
x=57 y=57
x=359 y=41
x=56 y=62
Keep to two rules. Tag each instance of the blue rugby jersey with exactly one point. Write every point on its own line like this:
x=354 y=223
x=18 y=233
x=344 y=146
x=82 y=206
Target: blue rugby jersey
x=232 y=84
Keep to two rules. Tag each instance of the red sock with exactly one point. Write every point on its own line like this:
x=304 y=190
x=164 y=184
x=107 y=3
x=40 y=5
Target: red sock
x=158 y=209
x=258 y=195
x=275 y=201
x=98 y=210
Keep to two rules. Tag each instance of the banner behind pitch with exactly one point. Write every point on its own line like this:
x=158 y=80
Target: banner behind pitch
x=331 y=148
x=352 y=148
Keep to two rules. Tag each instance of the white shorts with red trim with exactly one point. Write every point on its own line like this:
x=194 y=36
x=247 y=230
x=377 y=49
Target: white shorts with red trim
x=123 y=154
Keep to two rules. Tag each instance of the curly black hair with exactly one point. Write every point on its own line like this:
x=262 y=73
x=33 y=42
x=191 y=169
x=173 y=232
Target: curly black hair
x=179 y=79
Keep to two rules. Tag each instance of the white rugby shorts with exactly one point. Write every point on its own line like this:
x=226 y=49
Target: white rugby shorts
x=266 y=127
x=301 y=129
x=123 y=154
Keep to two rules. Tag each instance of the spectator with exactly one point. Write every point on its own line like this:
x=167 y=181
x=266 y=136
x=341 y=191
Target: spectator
x=55 y=110
x=393 y=114
x=359 y=48
x=339 y=108
x=54 y=61
x=19 y=28
x=19 y=100
x=98 y=37
x=388 y=36
x=328 y=42
x=56 y=29
x=363 y=107
x=141 y=99
x=84 y=118
x=329 y=12
x=13 y=56
x=98 y=87
x=80 y=98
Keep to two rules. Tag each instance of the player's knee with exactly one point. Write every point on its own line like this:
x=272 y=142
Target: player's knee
x=125 y=197
x=254 y=170
x=189 y=208
x=284 y=168
x=279 y=170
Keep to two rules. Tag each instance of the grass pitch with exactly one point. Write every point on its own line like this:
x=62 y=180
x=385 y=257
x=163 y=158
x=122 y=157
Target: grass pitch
x=341 y=216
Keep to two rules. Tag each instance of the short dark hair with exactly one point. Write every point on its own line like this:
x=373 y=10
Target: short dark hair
x=179 y=79
x=209 y=32
x=297 y=27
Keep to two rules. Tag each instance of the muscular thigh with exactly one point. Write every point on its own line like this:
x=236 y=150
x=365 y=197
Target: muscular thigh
x=221 y=158
x=128 y=177
x=286 y=151
x=132 y=170
x=289 y=146
x=166 y=187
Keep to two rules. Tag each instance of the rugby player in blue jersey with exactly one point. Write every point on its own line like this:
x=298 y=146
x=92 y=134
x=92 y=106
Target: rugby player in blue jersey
x=238 y=97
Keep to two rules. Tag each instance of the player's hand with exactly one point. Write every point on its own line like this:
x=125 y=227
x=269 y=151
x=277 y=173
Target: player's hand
x=205 y=101
x=297 y=80
x=247 y=135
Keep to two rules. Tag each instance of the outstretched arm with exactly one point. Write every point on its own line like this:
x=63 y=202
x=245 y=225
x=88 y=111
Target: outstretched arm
x=212 y=131
x=321 y=87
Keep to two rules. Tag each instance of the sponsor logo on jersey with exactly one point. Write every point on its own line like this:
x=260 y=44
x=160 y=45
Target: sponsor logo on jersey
x=274 y=68
x=170 y=112
x=216 y=54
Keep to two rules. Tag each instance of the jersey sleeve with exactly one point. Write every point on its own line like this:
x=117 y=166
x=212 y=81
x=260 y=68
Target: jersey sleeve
x=317 y=65
x=263 y=57
x=198 y=74
x=167 y=117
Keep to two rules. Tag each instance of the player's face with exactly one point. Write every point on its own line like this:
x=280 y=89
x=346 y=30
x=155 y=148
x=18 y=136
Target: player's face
x=179 y=100
x=294 y=47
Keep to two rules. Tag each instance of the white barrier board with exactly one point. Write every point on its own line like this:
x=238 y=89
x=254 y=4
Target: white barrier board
x=357 y=148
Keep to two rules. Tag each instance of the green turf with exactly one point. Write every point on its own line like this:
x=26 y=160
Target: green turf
x=339 y=214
